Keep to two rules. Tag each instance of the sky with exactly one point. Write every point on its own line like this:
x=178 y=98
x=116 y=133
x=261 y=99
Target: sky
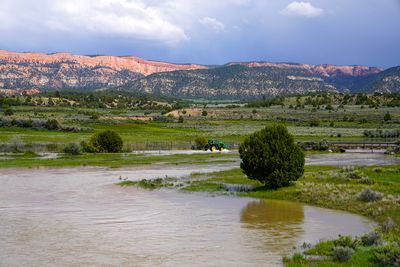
x=342 y=32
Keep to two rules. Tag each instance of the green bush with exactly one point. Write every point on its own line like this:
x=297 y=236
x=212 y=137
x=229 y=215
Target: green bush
x=200 y=142
x=345 y=241
x=52 y=124
x=86 y=147
x=368 y=195
x=181 y=119
x=204 y=113
x=106 y=141
x=342 y=254
x=371 y=239
x=271 y=157
x=387 y=117
x=323 y=145
x=8 y=112
x=388 y=225
x=314 y=122
x=388 y=254
x=72 y=149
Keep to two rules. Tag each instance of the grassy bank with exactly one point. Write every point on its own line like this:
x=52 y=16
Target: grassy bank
x=324 y=186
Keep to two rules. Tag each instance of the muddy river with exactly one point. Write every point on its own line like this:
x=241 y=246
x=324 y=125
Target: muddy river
x=78 y=217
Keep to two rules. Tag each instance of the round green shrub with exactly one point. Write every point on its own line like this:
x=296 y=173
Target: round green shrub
x=106 y=141
x=271 y=157
x=200 y=142
x=368 y=195
x=387 y=117
x=72 y=149
x=8 y=112
x=371 y=238
x=342 y=254
x=52 y=124
x=314 y=122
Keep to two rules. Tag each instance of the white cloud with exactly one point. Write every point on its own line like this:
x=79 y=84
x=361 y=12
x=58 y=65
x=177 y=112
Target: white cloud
x=305 y=9
x=213 y=23
x=136 y=20
x=115 y=17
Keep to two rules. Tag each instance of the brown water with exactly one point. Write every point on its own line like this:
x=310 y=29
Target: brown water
x=78 y=217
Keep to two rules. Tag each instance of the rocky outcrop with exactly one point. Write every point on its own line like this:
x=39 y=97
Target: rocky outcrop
x=24 y=71
x=19 y=91
x=66 y=71
x=325 y=70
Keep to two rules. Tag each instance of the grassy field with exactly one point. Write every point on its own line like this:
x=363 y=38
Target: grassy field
x=147 y=123
x=29 y=160
x=228 y=124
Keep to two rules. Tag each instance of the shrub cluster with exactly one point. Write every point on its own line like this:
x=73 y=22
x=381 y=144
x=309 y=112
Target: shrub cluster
x=346 y=241
x=315 y=122
x=368 y=195
x=72 y=149
x=342 y=254
x=200 y=142
x=351 y=173
x=378 y=133
x=371 y=239
x=388 y=254
x=50 y=124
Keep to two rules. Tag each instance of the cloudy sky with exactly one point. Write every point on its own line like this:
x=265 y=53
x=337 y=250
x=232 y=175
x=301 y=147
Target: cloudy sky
x=209 y=31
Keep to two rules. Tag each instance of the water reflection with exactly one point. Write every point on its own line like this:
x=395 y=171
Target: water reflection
x=268 y=214
x=277 y=224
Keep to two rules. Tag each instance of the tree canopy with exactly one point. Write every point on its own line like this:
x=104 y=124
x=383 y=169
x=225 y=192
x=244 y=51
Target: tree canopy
x=271 y=157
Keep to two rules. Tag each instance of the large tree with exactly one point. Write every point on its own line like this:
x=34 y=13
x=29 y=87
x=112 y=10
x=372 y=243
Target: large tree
x=271 y=157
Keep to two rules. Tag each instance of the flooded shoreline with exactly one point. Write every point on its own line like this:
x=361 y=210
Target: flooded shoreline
x=78 y=217
x=356 y=158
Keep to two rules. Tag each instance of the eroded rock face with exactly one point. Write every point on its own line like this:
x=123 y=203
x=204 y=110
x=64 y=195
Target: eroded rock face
x=32 y=91
x=326 y=70
x=64 y=70
x=24 y=71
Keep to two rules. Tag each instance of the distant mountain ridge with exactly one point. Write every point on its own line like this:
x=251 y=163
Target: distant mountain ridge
x=68 y=71
x=232 y=82
x=325 y=70
x=59 y=71
x=255 y=80
x=387 y=81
